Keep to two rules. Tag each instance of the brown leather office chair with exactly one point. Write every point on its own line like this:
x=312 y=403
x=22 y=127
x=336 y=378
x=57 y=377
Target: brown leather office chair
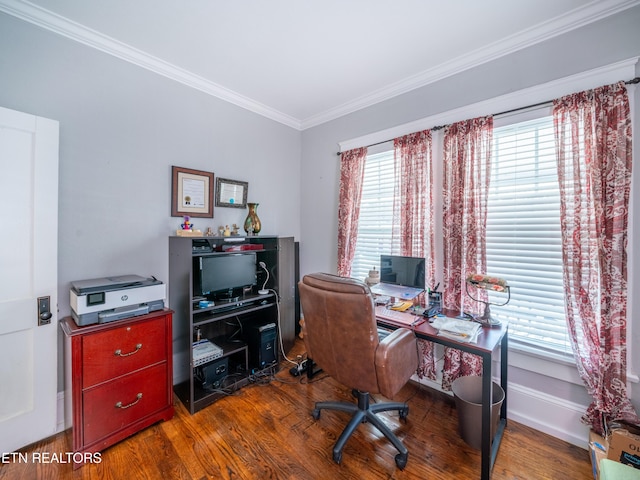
x=341 y=336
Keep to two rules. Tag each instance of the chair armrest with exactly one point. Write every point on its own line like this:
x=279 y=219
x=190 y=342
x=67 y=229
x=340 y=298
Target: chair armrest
x=396 y=361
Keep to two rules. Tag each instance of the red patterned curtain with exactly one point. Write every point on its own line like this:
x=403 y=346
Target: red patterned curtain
x=413 y=214
x=351 y=175
x=594 y=188
x=412 y=198
x=467 y=161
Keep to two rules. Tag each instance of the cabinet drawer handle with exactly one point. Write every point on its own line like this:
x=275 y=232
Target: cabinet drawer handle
x=138 y=397
x=118 y=353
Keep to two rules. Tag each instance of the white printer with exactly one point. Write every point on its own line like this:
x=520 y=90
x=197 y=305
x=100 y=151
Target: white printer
x=102 y=300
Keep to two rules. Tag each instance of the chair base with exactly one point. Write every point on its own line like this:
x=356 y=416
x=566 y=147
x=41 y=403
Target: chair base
x=364 y=412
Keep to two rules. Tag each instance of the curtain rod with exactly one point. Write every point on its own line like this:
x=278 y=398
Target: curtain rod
x=440 y=127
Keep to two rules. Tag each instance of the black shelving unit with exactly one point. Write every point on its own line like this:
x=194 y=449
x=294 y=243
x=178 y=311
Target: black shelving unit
x=226 y=323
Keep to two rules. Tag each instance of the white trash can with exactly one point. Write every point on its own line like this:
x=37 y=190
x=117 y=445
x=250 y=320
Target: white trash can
x=467 y=392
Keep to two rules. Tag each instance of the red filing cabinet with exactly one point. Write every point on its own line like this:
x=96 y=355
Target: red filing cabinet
x=119 y=378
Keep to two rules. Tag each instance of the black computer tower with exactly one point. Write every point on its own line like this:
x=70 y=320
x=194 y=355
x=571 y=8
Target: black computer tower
x=261 y=340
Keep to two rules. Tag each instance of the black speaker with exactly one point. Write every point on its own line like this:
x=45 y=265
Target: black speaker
x=212 y=374
x=261 y=340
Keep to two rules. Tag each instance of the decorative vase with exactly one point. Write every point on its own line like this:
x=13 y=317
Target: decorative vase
x=252 y=223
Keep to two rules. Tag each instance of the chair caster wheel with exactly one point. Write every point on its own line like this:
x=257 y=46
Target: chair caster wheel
x=337 y=457
x=316 y=413
x=404 y=413
x=401 y=460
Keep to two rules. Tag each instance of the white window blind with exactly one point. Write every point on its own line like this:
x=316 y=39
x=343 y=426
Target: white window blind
x=376 y=211
x=523 y=231
x=523 y=234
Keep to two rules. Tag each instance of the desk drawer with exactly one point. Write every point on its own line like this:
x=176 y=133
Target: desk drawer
x=115 y=352
x=115 y=405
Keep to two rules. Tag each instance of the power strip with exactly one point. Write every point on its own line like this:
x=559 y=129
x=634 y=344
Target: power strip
x=298 y=369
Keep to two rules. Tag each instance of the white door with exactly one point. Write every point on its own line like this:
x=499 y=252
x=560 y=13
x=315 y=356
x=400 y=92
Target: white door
x=28 y=275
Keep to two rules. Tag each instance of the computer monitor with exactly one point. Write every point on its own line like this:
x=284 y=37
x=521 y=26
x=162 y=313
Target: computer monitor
x=401 y=276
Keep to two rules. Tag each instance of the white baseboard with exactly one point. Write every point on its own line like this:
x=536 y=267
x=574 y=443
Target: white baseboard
x=61 y=424
x=554 y=416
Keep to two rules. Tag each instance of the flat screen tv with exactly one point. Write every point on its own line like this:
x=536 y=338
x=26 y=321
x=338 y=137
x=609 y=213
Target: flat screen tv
x=218 y=274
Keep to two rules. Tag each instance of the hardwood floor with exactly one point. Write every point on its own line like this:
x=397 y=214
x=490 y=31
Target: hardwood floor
x=266 y=431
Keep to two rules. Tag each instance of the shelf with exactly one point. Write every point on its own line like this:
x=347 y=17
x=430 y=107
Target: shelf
x=229 y=347
x=215 y=317
x=209 y=254
x=229 y=305
x=213 y=245
x=203 y=398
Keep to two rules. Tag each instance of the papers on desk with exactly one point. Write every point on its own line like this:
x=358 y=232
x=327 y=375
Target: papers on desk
x=457 y=329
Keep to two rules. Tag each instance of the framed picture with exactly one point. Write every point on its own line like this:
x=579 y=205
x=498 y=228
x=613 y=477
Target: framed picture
x=191 y=193
x=231 y=193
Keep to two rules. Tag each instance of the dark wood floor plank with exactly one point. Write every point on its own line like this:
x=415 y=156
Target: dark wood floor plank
x=266 y=431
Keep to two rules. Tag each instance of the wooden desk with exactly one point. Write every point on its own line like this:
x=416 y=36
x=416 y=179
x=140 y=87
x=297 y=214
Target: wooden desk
x=488 y=341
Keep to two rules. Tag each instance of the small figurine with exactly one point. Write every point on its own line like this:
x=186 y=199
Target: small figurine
x=221 y=230
x=227 y=232
x=373 y=278
x=187 y=225
x=209 y=232
x=234 y=229
x=186 y=229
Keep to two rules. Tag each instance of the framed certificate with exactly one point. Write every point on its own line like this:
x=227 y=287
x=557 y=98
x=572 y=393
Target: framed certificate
x=191 y=193
x=231 y=193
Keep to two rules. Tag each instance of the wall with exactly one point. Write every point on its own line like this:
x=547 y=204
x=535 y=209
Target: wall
x=121 y=130
x=546 y=395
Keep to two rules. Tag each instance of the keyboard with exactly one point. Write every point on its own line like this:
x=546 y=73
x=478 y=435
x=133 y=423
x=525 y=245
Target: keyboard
x=405 y=318
x=389 y=314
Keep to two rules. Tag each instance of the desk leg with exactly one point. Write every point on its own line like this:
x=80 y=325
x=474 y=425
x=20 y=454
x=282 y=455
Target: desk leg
x=504 y=364
x=487 y=397
x=310 y=369
x=489 y=449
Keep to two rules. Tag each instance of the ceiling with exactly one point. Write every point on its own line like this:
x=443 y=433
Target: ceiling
x=305 y=62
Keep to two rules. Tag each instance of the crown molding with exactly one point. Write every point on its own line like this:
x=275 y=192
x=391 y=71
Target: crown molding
x=60 y=25
x=577 y=18
x=546 y=92
x=55 y=23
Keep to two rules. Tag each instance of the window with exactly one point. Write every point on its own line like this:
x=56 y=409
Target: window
x=376 y=211
x=523 y=234
x=523 y=231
